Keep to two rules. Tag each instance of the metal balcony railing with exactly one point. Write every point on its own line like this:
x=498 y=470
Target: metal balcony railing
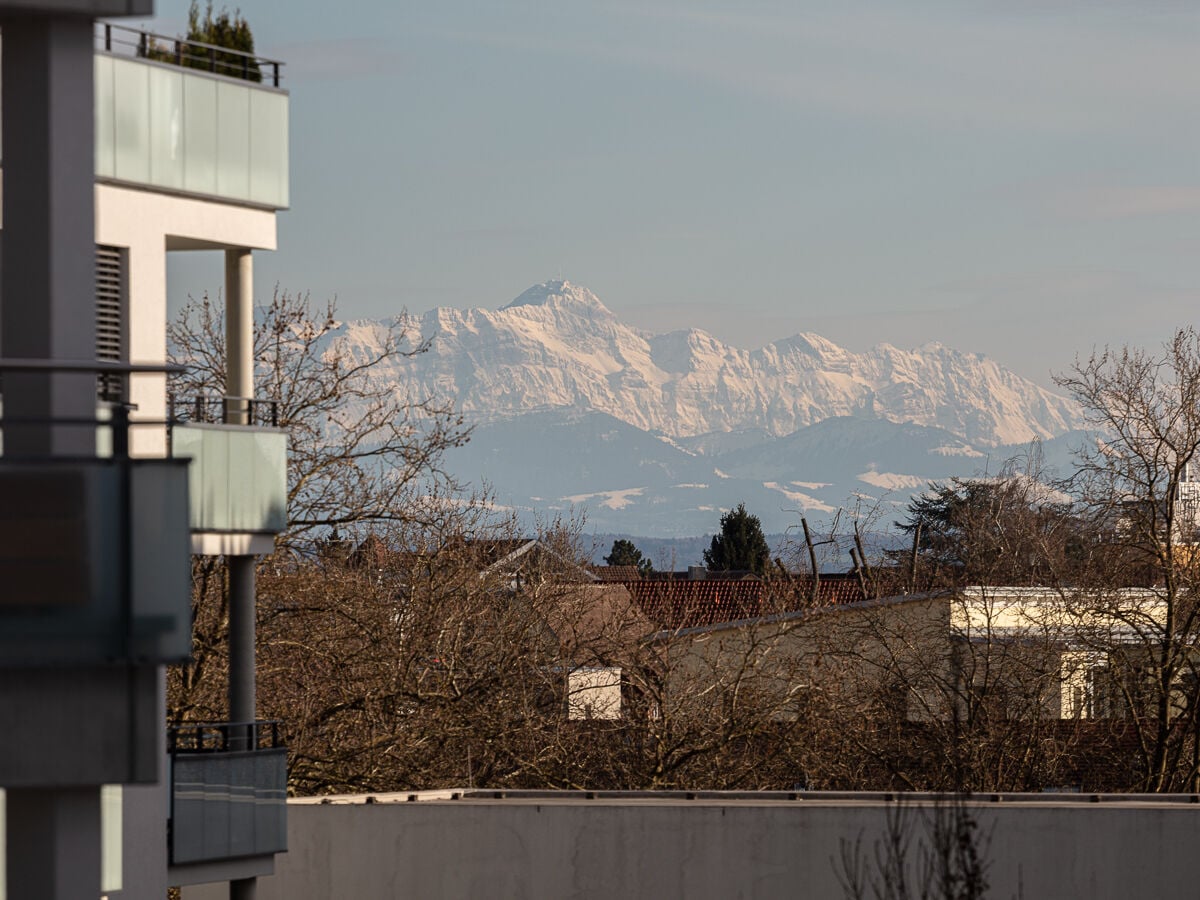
x=222 y=737
x=189 y=54
x=208 y=410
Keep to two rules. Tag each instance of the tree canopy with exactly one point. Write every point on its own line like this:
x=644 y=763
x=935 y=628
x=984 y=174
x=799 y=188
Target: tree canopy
x=1005 y=530
x=222 y=29
x=740 y=545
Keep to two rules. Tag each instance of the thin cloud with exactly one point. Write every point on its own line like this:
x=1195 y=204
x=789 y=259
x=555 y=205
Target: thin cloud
x=1129 y=202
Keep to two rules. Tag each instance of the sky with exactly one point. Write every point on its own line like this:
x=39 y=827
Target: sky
x=1010 y=177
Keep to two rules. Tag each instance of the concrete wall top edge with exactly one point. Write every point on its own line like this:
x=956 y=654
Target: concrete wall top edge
x=473 y=797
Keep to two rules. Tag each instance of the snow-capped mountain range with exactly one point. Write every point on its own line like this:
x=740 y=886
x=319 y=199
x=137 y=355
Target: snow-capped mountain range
x=656 y=434
x=558 y=347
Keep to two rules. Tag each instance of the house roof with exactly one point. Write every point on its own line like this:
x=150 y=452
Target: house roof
x=690 y=604
x=615 y=573
x=520 y=553
x=687 y=604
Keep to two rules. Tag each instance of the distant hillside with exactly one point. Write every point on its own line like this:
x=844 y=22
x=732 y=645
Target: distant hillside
x=658 y=434
x=629 y=481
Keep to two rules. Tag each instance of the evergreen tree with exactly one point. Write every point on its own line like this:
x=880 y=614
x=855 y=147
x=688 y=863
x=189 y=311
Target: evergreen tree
x=219 y=30
x=740 y=545
x=624 y=553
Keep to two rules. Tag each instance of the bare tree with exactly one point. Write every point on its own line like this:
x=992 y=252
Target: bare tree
x=361 y=450
x=361 y=453
x=930 y=852
x=1135 y=486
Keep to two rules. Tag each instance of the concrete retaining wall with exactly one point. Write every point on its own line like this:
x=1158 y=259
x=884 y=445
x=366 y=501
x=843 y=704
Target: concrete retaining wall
x=667 y=846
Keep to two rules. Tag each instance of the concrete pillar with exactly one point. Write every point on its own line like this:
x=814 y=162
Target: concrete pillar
x=48 y=279
x=241 y=639
x=241 y=673
x=53 y=843
x=239 y=335
x=239 y=388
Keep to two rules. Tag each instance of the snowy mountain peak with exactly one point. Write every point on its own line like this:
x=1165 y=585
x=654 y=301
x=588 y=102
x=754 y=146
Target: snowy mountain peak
x=559 y=293
x=556 y=346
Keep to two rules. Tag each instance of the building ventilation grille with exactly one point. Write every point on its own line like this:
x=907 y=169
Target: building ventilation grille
x=110 y=307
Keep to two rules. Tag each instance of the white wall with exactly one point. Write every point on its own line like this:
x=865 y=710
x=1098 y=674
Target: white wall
x=150 y=224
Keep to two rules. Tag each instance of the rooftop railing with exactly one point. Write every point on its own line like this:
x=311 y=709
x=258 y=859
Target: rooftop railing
x=183 y=52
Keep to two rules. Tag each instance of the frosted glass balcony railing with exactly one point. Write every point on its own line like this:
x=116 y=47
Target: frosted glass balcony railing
x=186 y=130
x=237 y=482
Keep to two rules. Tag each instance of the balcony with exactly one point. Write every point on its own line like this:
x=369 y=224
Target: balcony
x=163 y=125
x=93 y=551
x=228 y=792
x=237 y=483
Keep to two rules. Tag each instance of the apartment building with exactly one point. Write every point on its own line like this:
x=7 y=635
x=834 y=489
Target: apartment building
x=119 y=148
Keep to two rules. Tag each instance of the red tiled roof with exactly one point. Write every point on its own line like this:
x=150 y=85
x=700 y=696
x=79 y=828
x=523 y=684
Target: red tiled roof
x=616 y=573
x=832 y=589
x=688 y=604
x=709 y=575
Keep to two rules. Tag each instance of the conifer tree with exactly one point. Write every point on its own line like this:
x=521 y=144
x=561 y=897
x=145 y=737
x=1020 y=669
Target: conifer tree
x=740 y=545
x=625 y=553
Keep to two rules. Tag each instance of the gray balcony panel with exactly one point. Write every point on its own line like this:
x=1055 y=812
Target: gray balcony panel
x=106 y=115
x=131 y=121
x=226 y=805
x=160 y=498
x=199 y=115
x=166 y=137
x=268 y=147
x=238 y=477
x=159 y=125
x=233 y=150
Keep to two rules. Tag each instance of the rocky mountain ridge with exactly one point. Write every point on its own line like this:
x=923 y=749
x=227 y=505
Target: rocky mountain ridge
x=557 y=346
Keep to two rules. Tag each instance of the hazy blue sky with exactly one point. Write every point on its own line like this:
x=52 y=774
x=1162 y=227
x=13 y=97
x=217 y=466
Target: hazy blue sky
x=1013 y=177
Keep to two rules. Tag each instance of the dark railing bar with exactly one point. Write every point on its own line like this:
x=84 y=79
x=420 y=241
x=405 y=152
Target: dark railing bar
x=144 y=39
x=210 y=410
x=14 y=364
x=216 y=737
x=80 y=421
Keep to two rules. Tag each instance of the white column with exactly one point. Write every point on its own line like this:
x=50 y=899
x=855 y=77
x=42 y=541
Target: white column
x=239 y=387
x=239 y=335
